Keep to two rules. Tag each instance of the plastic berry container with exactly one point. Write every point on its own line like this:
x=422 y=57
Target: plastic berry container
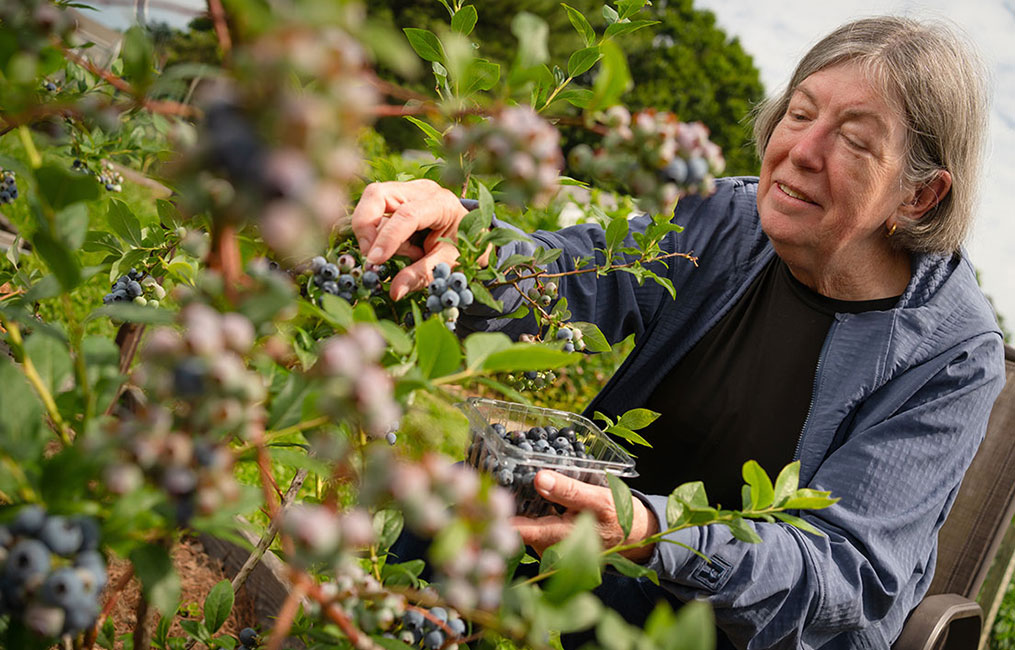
x=498 y=428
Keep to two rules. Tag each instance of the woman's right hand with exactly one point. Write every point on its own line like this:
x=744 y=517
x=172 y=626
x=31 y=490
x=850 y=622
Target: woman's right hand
x=390 y=213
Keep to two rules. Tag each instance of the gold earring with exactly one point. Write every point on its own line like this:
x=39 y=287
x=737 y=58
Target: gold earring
x=891 y=231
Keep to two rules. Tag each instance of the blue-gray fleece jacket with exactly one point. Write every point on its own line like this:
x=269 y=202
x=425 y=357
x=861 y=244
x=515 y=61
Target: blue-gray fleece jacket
x=900 y=403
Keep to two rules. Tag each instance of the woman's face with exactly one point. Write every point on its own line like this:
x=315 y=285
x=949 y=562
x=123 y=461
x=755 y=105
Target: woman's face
x=831 y=176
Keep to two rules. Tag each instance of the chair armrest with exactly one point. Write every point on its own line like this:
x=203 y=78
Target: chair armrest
x=942 y=622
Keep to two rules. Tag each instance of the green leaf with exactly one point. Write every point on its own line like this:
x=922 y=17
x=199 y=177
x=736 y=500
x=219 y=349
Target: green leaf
x=169 y=215
x=627 y=434
x=397 y=339
x=743 y=530
x=805 y=499
x=481 y=74
x=431 y=133
x=631 y=569
x=481 y=345
x=610 y=14
x=438 y=350
x=159 y=582
x=638 y=418
x=787 y=482
x=426 y=44
x=60 y=187
x=616 y=232
x=51 y=359
x=486 y=207
x=622 y=502
x=602 y=417
x=138 y=57
x=592 y=336
x=21 y=415
x=124 y=223
x=449 y=542
x=484 y=297
x=579 y=97
x=389 y=643
x=338 y=309
x=581 y=24
x=583 y=60
x=575 y=559
x=532 y=33
x=97 y=241
x=528 y=356
x=619 y=29
x=797 y=522
x=72 y=225
x=106 y=637
x=761 y=485
x=404 y=574
x=464 y=20
x=613 y=79
x=218 y=605
x=132 y=313
x=683 y=500
x=196 y=630
x=59 y=258
x=387 y=527
x=287 y=406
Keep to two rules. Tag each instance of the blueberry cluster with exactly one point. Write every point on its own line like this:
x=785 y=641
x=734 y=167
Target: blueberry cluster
x=652 y=155
x=572 y=338
x=79 y=166
x=8 y=186
x=49 y=86
x=131 y=287
x=348 y=279
x=429 y=629
x=531 y=379
x=197 y=382
x=322 y=533
x=517 y=145
x=447 y=293
x=361 y=596
x=355 y=387
x=51 y=571
x=248 y=638
x=110 y=178
x=433 y=494
x=543 y=294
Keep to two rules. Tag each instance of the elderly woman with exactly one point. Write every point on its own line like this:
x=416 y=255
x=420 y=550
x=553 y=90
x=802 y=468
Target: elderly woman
x=833 y=320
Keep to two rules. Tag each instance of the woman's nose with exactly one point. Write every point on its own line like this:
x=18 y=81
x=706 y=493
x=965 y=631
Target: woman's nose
x=808 y=150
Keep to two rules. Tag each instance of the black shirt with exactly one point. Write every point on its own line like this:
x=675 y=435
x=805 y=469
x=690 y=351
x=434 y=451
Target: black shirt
x=744 y=391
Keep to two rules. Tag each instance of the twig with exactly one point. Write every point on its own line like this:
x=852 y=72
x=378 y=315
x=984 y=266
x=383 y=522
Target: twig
x=287 y=613
x=142 y=629
x=114 y=596
x=269 y=535
x=690 y=257
x=218 y=15
x=154 y=105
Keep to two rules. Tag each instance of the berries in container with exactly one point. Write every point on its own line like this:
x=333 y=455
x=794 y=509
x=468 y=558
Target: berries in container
x=512 y=442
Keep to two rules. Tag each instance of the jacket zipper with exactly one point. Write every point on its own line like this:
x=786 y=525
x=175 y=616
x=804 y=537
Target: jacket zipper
x=814 y=388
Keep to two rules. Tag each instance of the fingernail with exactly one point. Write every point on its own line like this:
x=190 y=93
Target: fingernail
x=376 y=255
x=398 y=293
x=545 y=481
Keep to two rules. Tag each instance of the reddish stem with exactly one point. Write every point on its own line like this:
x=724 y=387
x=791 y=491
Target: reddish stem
x=218 y=15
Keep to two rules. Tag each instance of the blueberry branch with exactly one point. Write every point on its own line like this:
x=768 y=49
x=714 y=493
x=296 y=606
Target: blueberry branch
x=607 y=269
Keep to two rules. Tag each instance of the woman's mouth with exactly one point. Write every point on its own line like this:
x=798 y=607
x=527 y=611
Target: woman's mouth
x=789 y=191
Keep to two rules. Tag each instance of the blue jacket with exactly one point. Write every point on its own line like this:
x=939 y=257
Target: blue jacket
x=900 y=403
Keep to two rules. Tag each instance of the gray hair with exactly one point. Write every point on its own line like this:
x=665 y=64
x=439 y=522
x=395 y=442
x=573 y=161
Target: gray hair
x=938 y=80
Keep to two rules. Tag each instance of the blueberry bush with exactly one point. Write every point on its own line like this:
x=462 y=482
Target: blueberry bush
x=191 y=334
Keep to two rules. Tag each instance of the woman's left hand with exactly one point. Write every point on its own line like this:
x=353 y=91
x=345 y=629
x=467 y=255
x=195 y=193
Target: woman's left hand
x=543 y=532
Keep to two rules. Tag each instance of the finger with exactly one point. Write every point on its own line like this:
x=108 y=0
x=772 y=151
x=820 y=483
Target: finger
x=378 y=199
x=392 y=233
x=542 y=532
x=419 y=274
x=571 y=493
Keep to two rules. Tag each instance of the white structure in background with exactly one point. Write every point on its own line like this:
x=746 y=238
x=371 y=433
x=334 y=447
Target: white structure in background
x=107 y=42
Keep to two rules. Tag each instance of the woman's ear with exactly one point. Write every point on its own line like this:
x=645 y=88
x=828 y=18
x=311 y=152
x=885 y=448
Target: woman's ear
x=927 y=196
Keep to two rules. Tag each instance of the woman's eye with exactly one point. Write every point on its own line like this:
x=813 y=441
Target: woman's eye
x=856 y=144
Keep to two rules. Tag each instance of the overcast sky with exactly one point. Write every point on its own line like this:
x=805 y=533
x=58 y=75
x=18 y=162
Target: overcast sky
x=778 y=32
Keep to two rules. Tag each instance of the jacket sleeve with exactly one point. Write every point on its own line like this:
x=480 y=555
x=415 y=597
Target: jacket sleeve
x=854 y=586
